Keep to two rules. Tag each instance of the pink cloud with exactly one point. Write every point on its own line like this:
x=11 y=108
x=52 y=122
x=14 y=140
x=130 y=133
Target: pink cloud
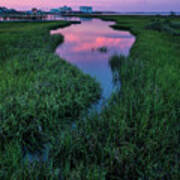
x=114 y=5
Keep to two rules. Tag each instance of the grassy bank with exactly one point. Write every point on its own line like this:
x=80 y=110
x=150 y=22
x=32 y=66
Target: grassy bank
x=135 y=137
x=40 y=94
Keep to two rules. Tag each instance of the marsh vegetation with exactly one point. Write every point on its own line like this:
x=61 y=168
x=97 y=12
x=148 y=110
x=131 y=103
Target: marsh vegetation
x=135 y=137
x=164 y=25
x=39 y=94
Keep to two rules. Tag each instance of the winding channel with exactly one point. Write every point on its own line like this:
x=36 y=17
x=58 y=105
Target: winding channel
x=90 y=45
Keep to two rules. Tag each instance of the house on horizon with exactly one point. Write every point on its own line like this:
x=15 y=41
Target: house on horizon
x=55 y=11
x=34 y=11
x=86 y=9
x=65 y=9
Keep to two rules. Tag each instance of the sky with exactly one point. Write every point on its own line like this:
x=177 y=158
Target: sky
x=106 y=5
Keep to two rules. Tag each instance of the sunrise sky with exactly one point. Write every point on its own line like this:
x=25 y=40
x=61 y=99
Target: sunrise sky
x=109 y=5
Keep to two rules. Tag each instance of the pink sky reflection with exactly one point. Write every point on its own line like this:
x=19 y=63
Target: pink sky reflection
x=88 y=37
x=111 y=5
x=81 y=45
x=102 y=41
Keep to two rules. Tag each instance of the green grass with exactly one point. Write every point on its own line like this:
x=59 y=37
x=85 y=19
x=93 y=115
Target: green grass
x=135 y=137
x=164 y=25
x=40 y=94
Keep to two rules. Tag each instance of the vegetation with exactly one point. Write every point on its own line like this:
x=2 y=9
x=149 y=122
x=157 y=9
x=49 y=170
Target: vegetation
x=135 y=137
x=165 y=25
x=172 y=13
x=103 y=49
x=39 y=93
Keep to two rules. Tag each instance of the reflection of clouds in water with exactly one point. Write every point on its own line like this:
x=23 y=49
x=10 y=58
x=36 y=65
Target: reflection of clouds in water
x=72 y=37
x=100 y=42
x=82 y=38
x=95 y=34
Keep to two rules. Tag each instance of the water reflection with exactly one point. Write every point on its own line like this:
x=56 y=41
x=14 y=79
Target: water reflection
x=81 y=45
x=60 y=17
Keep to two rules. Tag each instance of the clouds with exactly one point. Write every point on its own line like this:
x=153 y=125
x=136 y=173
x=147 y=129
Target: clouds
x=112 y=5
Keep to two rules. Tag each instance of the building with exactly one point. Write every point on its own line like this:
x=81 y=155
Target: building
x=86 y=9
x=65 y=9
x=34 y=10
x=55 y=11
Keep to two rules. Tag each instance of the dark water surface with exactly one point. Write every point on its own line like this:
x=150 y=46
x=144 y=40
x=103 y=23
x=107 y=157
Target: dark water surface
x=90 y=45
x=22 y=18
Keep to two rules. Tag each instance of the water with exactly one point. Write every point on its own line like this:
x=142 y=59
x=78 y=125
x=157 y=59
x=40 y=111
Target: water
x=48 y=17
x=81 y=47
x=90 y=45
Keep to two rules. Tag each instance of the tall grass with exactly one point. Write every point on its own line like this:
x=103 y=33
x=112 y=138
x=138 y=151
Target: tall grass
x=40 y=95
x=135 y=137
x=165 y=25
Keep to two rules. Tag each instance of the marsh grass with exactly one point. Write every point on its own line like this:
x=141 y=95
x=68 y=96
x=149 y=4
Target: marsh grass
x=164 y=25
x=103 y=49
x=40 y=95
x=135 y=137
